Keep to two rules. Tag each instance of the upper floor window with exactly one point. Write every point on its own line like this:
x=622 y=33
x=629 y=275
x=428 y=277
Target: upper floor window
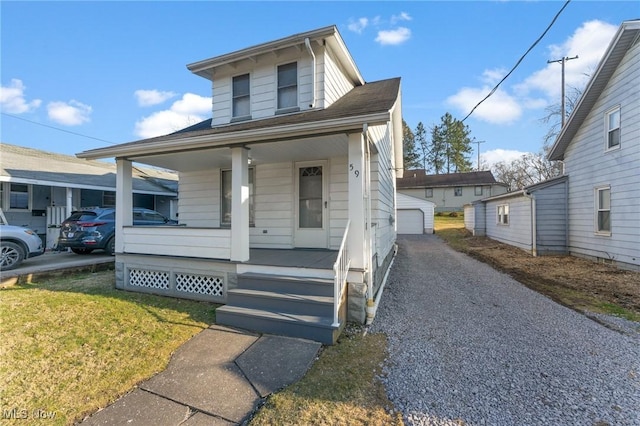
x=503 y=214
x=457 y=191
x=241 y=99
x=478 y=190
x=612 y=118
x=19 y=196
x=428 y=192
x=603 y=210
x=288 y=86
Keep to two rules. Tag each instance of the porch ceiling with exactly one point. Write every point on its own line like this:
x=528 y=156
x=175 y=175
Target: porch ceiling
x=310 y=148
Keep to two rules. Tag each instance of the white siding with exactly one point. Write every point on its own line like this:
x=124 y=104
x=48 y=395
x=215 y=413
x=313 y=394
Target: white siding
x=446 y=200
x=518 y=231
x=589 y=166
x=199 y=201
x=469 y=217
x=335 y=82
x=338 y=200
x=187 y=242
x=426 y=207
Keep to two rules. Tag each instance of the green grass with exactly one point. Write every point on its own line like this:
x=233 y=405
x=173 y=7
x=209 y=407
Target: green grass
x=72 y=345
x=444 y=221
x=612 y=309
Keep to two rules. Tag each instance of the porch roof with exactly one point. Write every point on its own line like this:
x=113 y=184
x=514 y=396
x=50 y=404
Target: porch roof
x=371 y=103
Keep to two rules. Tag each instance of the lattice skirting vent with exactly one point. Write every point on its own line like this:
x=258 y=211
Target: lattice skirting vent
x=201 y=284
x=149 y=279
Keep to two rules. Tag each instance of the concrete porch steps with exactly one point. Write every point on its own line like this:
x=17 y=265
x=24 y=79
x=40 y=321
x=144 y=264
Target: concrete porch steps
x=283 y=305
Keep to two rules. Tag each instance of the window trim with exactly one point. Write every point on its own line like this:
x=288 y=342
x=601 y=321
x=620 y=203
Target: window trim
x=607 y=130
x=475 y=191
x=428 y=193
x=252 y=196
x=6 y=192
x=503 y=216
x=597 y=210
x=455 y=191
x=234 y=97
x=293 y=108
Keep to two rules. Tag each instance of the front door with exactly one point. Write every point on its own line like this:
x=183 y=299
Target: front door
x=311 y=205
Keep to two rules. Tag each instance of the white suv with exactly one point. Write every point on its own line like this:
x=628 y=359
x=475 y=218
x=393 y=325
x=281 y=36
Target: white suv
x=17 y=244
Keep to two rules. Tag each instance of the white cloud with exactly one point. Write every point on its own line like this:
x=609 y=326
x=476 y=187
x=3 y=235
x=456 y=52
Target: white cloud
x=12 y=99
x=500 y=108
x=589 y=43
x=184 y=112
x=152 y=97
x=358 y=26
x=72 y=113
x=495 y=156
x=393 y=37
x=403 y=16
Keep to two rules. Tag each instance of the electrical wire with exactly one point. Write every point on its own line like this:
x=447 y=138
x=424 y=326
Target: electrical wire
x=519 y=60
x=56 y=128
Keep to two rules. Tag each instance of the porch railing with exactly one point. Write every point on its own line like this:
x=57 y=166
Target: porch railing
x=341 y=270
x=206 y=243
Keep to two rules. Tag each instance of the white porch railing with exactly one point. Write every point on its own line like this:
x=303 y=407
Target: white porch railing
x=207 y=243
x=341 y=270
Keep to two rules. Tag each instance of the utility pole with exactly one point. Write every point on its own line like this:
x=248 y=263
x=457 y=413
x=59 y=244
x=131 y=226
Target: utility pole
x=478 y=142
x=562 y=61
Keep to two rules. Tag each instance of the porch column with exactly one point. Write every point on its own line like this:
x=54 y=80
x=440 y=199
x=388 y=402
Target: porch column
x=240 y=204
x=124 y=200
x=69 y=202
x=357 y=205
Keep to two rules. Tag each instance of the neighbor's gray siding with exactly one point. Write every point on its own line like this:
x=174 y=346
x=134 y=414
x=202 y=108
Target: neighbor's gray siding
x=589 y=166
x=551 y=218
x=518 y=231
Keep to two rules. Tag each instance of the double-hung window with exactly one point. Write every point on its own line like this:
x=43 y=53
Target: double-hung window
x=457 y=191
x=603 y=210
x=503 y=214
x=225 y=207
x=428 y=192
x=478 y=190
x=241 y=99
x=288 y=86
x=19 y=196
x=612 y=118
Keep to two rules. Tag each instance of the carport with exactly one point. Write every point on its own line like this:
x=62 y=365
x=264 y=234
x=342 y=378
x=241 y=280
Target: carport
x=415 y=216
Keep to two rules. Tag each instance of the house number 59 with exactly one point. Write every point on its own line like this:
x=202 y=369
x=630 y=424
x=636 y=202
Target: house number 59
x=355 y=172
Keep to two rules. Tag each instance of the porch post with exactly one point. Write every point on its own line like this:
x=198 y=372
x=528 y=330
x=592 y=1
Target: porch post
x=356 y=170
x=240 y=204
x=69 y=201
x=124 y=200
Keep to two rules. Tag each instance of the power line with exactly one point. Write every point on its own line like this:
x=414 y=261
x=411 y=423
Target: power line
x=520 y=60
x=57 y=128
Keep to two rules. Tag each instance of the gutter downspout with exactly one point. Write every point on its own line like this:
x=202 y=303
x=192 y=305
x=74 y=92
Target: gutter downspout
x=307 y=43
x=534 y=229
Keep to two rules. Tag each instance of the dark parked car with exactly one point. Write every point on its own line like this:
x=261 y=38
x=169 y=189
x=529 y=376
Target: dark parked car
x=91 y=229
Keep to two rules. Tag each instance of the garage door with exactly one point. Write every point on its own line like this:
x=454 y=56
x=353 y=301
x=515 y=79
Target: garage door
x=410 y=222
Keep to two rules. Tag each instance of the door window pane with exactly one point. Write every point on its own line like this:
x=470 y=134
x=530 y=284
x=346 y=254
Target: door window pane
x=310 y=197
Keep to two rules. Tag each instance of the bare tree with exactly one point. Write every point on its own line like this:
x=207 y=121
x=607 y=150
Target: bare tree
x=527 y=170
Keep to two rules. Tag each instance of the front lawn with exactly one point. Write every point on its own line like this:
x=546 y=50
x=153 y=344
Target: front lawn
x=73 y=345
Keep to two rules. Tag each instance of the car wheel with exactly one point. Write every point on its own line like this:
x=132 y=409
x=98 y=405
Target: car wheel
x=110 y=248
x=12 y=255
x=81 y=250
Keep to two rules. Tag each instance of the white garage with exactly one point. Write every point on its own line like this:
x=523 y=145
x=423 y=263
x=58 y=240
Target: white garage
x=415 y=216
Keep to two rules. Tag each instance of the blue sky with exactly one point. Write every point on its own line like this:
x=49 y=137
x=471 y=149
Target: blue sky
x=116 y=72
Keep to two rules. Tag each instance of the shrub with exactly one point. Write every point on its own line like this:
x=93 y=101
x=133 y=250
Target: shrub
x=453 y=214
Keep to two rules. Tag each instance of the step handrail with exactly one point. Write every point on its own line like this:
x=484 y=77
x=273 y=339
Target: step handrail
x=340 y=272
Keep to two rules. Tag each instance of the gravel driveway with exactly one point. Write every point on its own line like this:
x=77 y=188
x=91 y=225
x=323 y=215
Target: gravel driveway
x=469 y=345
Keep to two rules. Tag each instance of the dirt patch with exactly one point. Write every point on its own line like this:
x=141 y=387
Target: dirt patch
x=575 y=282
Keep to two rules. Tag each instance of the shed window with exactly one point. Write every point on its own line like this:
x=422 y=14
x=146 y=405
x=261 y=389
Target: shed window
x=225 y=205
x=288 y=86
x=457 y=191
x=603 y=210
x=503 y=214
x=613 y=128
x=478 y=190
x=19 y=196
x=428 y=192
x=241 y=99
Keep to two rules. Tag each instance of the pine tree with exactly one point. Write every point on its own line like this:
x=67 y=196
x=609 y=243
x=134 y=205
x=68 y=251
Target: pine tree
x=411 y=158
x=450 y=146
x=421 y=142
x=437 y=153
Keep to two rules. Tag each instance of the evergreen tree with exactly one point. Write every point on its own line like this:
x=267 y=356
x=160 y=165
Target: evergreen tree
x=450 y=146
x=437 y=153
x=421 y=142
x=411 y=158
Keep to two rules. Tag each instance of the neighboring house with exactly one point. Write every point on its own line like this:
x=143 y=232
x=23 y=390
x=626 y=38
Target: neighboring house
x=600 y=148
x=415 y=216
x=533 y=219
x=38 y=189
x=286 y=193
x=451 y=191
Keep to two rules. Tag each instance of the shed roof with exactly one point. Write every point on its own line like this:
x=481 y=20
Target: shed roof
x=29 y=165
x=419 y=179
x=626 y=36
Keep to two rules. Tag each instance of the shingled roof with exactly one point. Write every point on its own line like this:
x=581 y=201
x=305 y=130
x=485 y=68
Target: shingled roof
x=419 y=179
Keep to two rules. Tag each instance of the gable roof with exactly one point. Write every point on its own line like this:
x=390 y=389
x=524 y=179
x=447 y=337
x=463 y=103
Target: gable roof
x=626 y=36
x=27 y=165
x=369 y=103
x=419 y=179
x=323 y=36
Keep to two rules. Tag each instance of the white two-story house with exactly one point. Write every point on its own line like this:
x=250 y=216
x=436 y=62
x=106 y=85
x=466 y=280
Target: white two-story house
x=286 y=195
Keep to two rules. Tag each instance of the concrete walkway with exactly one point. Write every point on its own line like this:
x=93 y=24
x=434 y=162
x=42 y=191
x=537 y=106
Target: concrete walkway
x=218 y=377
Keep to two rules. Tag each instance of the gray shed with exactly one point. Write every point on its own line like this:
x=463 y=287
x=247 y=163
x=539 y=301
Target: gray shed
x=415 y=216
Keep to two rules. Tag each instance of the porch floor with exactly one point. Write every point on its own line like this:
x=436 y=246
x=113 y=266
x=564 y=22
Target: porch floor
x=294 y=258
